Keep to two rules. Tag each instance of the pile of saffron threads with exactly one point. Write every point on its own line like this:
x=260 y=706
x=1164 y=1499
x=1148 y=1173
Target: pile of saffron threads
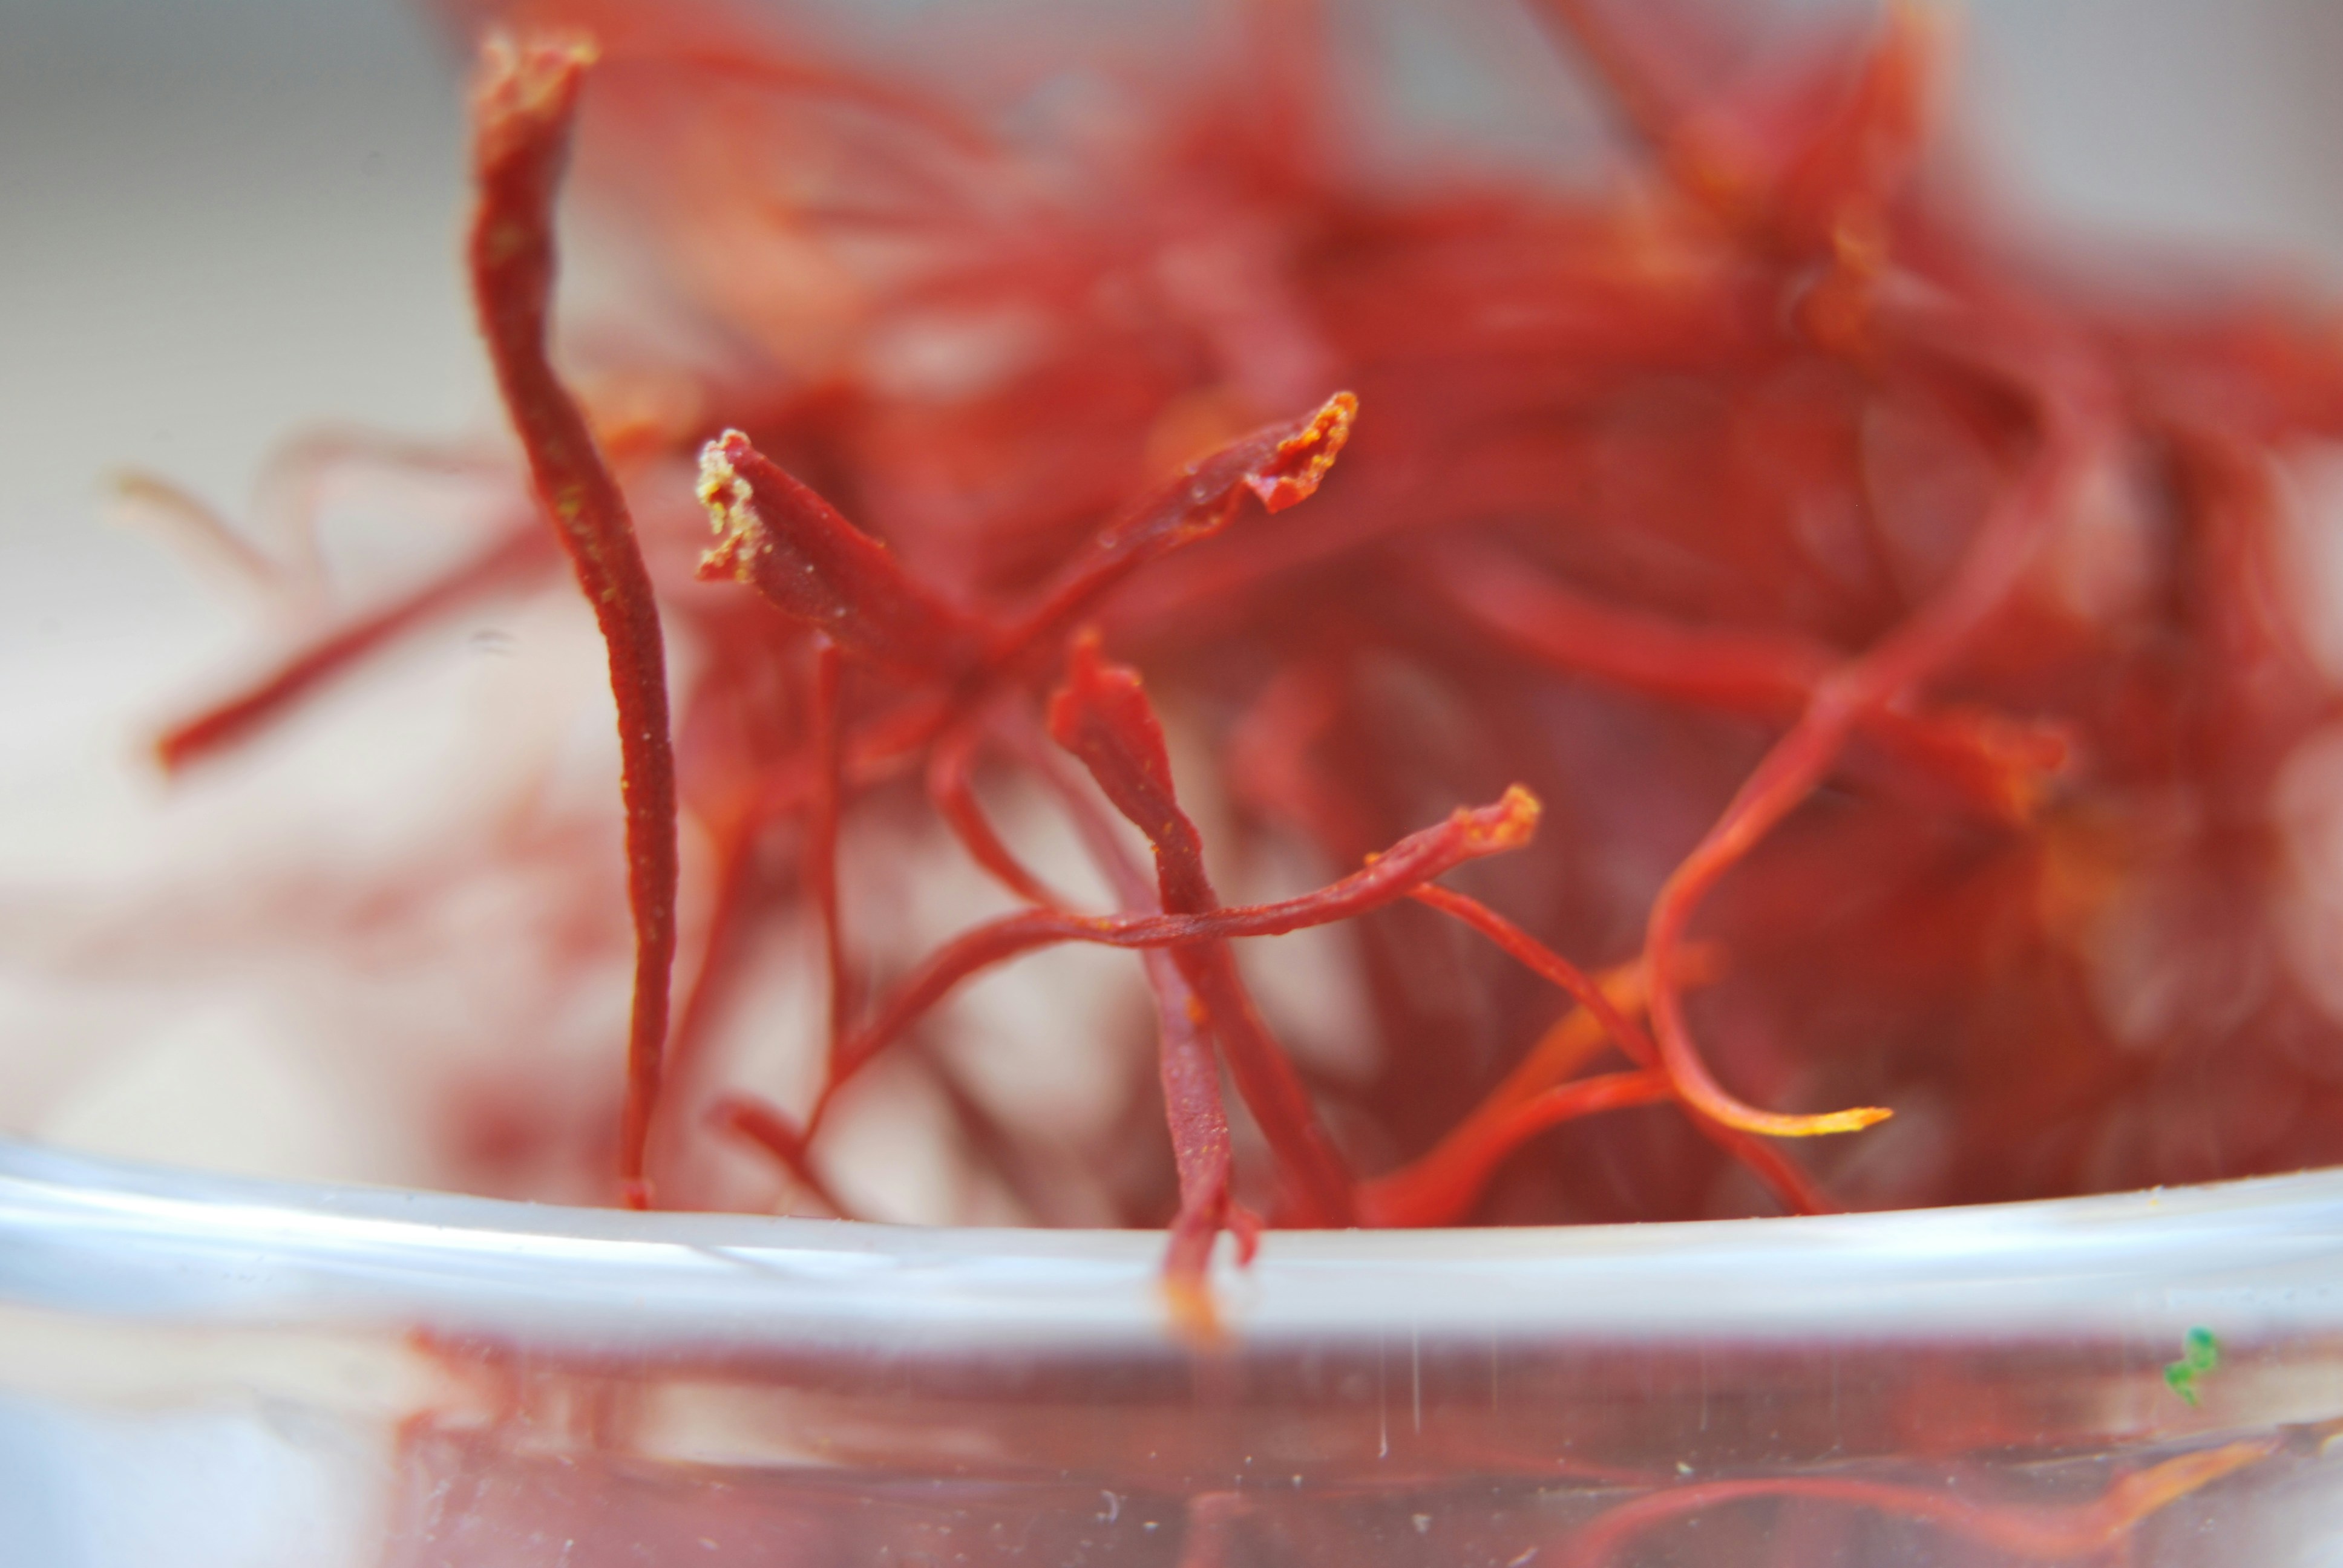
x=1746 y=649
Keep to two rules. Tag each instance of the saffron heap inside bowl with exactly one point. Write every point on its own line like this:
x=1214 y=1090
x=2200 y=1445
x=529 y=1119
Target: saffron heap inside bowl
x=1174 y=671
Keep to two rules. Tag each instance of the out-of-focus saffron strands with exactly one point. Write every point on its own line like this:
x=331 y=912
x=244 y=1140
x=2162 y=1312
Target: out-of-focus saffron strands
x=1749 y=651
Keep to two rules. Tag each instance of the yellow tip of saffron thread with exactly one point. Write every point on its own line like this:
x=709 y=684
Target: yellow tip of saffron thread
x=1509 y=824
x=1854 y=1121
x=1195 y=1320
x=1301 y=459
x=730 y=510
x=531 y=76
x=1518 y=814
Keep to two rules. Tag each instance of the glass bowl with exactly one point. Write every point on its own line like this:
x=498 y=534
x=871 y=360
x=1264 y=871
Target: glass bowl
x=209 y=1369
x=206 y=1371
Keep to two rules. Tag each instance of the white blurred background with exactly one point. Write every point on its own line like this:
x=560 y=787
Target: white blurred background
x=218 y=221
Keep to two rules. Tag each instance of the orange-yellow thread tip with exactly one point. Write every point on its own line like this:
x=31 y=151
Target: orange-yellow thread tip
x=1195 y=1320
x=531 y=77
x=1509 y=824
x=1854 y=1121
x=730 y=507
x=1293 y=473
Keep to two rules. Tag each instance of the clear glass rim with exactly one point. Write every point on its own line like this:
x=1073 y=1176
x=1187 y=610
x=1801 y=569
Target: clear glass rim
x=93 y=1236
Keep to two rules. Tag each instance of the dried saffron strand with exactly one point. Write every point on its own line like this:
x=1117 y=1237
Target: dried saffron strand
x=1269 y=768
x=182 y=518
x=1738 y=424
x=1830 y=159
x=748 y=1117
x=508 y=562
x=1575 y=1039
x=1188 y=1070
x=1102 y=715
x=821 y=857
x=1202 y=1156
x=1781 y=1176
x=1282 y=465
x=706 y=994
x=1712 y=400
x=873 y=751
x=289 y=570
x=1187 y=1073
x=523 y=106
x=813 y=565
x=2037 y=1535
x=2005 y=541
x=952 y=790
x=1441 y=1187
x=2002 y=764
x=791 y=546
x=1401 y=871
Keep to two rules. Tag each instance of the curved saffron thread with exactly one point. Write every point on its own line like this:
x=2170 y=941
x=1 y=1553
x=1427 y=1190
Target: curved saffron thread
x=524 y=103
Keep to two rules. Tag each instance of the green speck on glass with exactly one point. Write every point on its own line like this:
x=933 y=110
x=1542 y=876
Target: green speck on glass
x=2200 y=1352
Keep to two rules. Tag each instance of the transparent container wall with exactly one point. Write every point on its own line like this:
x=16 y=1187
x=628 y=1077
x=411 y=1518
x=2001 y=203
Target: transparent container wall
x=204 y=1371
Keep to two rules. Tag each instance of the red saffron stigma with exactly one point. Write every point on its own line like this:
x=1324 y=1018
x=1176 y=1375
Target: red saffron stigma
x=1686 y=663
x=1619 y=686
x=522 y=106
